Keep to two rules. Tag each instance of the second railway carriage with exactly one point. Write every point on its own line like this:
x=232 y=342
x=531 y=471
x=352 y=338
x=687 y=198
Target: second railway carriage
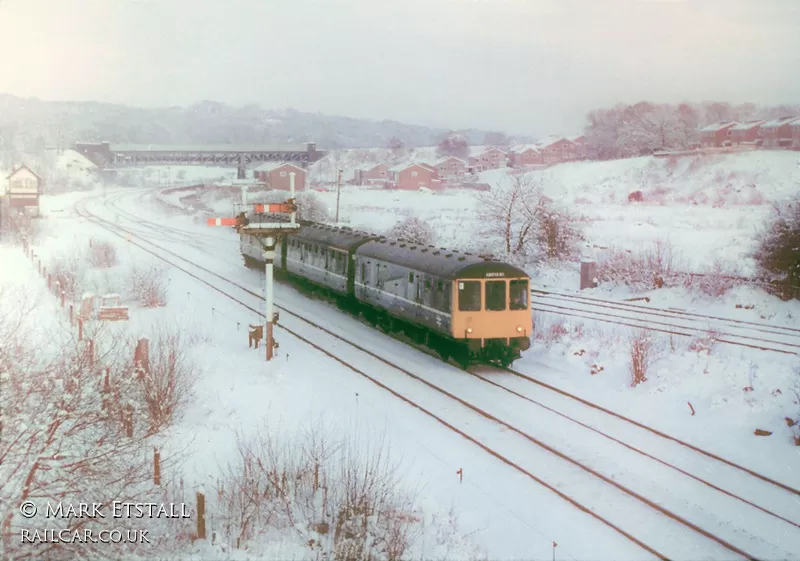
x=465 y=306
x=462 y=306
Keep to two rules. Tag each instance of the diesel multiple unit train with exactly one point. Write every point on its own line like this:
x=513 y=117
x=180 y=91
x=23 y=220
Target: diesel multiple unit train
x=462 y=306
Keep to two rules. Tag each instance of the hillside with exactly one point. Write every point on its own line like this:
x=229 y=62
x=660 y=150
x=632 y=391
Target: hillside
x=29 y=125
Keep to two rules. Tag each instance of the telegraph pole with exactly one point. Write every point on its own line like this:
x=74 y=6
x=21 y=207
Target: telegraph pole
x=338 y=188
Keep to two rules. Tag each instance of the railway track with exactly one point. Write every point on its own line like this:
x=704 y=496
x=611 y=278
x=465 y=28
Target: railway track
x=576 y=465
x=754 y=335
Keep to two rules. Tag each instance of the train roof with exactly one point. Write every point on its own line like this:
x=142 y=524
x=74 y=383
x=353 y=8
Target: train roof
x=342 y=238
x=438 y=262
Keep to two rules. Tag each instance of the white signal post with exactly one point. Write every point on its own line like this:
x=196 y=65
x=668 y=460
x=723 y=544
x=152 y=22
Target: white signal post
x=268 y=235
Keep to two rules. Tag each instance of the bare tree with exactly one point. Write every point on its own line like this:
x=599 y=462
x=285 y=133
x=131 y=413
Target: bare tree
x=167 y=382
x=64 y=441
x=453 y=145
x=525 y=223
x=413 y=230
x=148 y=284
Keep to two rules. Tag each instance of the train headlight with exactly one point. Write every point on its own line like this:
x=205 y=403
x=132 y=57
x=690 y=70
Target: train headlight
x=469 y=330
x=519 y=329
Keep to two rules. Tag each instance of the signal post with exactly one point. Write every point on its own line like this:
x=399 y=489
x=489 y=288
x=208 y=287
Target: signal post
x=267 y=233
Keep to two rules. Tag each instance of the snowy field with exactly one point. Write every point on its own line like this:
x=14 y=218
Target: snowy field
x=711 y=395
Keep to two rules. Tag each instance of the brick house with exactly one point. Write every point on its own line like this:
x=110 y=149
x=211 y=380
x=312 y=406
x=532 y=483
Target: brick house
x=745 y=132
x=796 y=134
x=777 y=133
x=23 y=191
x=414 y=176
x=580 y=146
x=715 y=134
x=525 y=155
x=491 y=158
x=557 y=149
x=451 y=169
x=276 y=175
x=372 y=174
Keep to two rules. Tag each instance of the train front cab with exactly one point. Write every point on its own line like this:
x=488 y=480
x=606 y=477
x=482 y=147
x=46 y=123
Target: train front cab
x=493 y=316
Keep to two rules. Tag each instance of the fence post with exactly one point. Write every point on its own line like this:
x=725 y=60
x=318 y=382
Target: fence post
x=129 y=421
x=71 y=315
x=80 y=330
x=588 y=274
x=49 y=282
x=141 y=356
x=201 y=516
x=156 y=467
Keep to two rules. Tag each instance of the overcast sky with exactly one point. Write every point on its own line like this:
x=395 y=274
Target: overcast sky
x=522 y=66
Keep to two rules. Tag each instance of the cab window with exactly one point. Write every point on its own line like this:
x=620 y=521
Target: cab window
x=469 y=296
x=495 y=295
x=518 y=294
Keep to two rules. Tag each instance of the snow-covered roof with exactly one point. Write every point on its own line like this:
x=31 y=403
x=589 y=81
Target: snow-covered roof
x=445 y=160
x=406 y=165
x=714 y=127
x=270 y=166
x=747 y=126
x=20 y=168
x=521 y=148
x=550 y=140
x=778 y=123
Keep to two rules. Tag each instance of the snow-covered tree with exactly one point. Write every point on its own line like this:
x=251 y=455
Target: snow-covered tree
x=413 y=230
x=453 y=145
x=779 y=252
x=525 y=225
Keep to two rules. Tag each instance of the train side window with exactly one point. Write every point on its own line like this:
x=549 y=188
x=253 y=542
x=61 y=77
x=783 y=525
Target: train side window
x=495 y=295
x=518 y=294
x=364 y=273
x=410 y=277
x=469 y=296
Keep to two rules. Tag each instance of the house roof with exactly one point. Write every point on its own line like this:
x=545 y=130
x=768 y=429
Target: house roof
x=550 y=140
x=522 y=148
x=271 y=166
x=401 y=167
x=714 y=127
x=444 y=160
x=747 y=126
x=21 y=167
x=778 y=123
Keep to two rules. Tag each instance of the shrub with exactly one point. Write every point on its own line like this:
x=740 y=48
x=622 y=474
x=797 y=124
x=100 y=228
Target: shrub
x=70 y=272
x=413 y=230
x=642 y=355
x=148 y=285
x=779 y=251
x=167 y=381
x=102 y=254
x=341 y=500
x=636 y=196
x=654 y=267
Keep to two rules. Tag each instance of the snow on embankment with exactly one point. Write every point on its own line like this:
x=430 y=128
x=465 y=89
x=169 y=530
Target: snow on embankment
x=745 y=178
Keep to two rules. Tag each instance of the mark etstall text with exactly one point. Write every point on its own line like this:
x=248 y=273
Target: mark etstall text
x=118 y=509
x=83 y=536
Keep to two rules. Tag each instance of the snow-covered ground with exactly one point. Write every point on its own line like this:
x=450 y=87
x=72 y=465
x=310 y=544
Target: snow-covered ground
x=713 y=398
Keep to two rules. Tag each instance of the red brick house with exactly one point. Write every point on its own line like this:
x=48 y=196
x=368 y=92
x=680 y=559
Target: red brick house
x=276 y=175
x=491 y=158
x=451 y=169
x=796 y=134
x=580 y=146
x=715 y=134
x=414 y=176
x=557 y=149
x=745 y=132
x=777 y=133
x=526 y=155
x=373 y=174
